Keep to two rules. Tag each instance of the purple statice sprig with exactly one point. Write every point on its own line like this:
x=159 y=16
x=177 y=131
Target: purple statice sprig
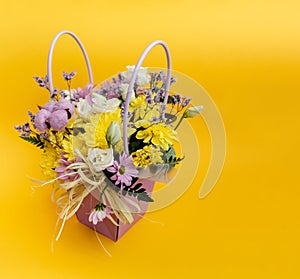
x=179 y=102
x=158 y=80
x=44 y=83
x=24 y=129
x=68 y=77
x=29 y=135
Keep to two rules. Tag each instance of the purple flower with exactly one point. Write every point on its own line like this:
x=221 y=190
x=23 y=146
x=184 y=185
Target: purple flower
x=40 y=120
x=124 y=171
x=58 y=120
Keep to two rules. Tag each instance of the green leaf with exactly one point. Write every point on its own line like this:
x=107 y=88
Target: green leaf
x=35 y=140
x=144 y=197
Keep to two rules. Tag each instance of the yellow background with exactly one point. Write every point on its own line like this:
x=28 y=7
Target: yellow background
x=247 y=56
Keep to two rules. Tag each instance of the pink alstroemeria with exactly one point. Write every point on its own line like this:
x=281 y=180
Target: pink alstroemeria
x=124 y=171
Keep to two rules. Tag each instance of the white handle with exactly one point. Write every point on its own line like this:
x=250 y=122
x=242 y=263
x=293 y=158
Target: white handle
x=133 y=79
x=50 y=54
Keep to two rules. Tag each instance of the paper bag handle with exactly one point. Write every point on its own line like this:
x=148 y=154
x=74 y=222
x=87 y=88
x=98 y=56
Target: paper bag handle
x=133 y=79
x=50 y=54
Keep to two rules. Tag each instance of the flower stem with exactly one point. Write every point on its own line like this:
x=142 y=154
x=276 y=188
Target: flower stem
x=179 y=122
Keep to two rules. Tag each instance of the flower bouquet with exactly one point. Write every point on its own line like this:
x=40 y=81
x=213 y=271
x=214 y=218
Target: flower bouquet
x=104 y=146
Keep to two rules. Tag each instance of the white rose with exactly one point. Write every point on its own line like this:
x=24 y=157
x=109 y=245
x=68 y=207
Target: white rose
x=100 y=158
x=142 y=76
x=101 y=104
x=124 y=88
x=83 y=108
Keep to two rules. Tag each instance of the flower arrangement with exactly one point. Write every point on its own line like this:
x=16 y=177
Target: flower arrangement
x=79 y=132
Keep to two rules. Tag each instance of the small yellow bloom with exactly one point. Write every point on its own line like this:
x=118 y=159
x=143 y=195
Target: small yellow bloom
x=158 y=134
x=141 y=157
x=146 y=156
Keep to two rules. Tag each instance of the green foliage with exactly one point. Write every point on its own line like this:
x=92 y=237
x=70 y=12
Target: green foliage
x=134 y=143
x=35 y=140
x=170 y=157
x=138 y=192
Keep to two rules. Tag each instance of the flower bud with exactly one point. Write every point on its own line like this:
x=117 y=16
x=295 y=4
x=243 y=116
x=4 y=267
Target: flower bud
x=192 y=112
x=113 y=133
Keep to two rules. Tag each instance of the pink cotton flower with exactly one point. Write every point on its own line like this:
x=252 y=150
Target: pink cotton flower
x=99 y=213
x=58 y=120
x=40 y=120
x=50 y=106
x=54 y=114
x=124 y=171
x=63 y=104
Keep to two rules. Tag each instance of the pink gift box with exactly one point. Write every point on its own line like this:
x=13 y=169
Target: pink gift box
x=106 y=227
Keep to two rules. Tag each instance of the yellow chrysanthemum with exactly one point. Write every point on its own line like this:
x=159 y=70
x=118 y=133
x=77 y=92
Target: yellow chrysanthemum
x=96 y=129
x=158 y=134
x=63 y=142
x=146 y=156
x=49 y=161
x=67 y=146
x=141 y=157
